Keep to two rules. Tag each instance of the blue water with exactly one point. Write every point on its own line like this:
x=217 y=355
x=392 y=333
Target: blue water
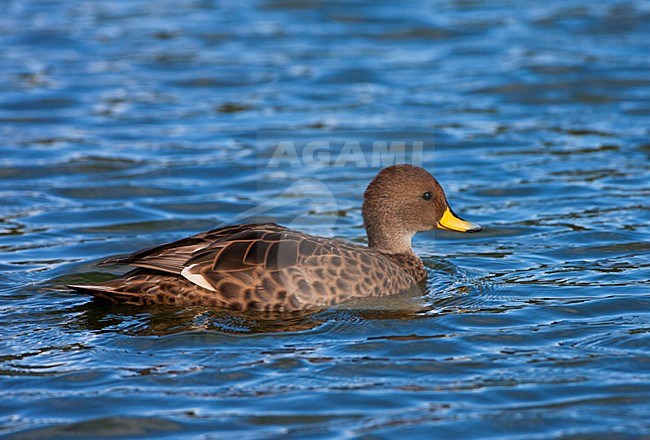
x=125 y=124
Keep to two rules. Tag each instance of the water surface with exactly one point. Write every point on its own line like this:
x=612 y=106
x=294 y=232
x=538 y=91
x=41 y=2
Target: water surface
x=127 y=124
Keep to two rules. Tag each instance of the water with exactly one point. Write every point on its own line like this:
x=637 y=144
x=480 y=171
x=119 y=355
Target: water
x=127 y=124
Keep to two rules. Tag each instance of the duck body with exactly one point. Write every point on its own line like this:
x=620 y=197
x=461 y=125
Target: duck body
x=263 y=267
x=267 y=267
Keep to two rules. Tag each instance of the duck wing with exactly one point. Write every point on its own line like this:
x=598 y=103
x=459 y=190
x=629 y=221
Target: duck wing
x=173 y=257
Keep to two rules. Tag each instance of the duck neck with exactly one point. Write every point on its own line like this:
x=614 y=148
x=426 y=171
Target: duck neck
x=392 y=241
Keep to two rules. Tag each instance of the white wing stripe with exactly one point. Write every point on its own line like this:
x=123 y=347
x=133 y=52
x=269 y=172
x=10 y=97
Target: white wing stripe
x=196 y=278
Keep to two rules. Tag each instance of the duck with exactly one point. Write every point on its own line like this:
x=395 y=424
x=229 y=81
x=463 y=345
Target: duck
x=272 y=268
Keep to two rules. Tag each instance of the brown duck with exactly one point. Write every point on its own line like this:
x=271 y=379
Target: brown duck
x=272 y=268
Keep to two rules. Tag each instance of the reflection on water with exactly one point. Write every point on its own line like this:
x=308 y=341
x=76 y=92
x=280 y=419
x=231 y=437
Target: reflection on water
x=158 y=321
x=128 y=124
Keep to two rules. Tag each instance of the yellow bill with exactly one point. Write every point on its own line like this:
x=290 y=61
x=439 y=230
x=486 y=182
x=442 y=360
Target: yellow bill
x=452 y=222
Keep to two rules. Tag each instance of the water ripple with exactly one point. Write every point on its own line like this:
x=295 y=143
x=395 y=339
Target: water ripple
x=127 y=124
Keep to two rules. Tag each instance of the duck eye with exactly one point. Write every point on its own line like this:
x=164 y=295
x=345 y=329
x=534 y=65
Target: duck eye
x=427 y=196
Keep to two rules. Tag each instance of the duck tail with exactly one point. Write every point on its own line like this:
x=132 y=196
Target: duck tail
x=106 y=293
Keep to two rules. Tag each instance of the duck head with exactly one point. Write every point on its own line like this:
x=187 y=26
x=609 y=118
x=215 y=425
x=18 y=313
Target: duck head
x=403 y=200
